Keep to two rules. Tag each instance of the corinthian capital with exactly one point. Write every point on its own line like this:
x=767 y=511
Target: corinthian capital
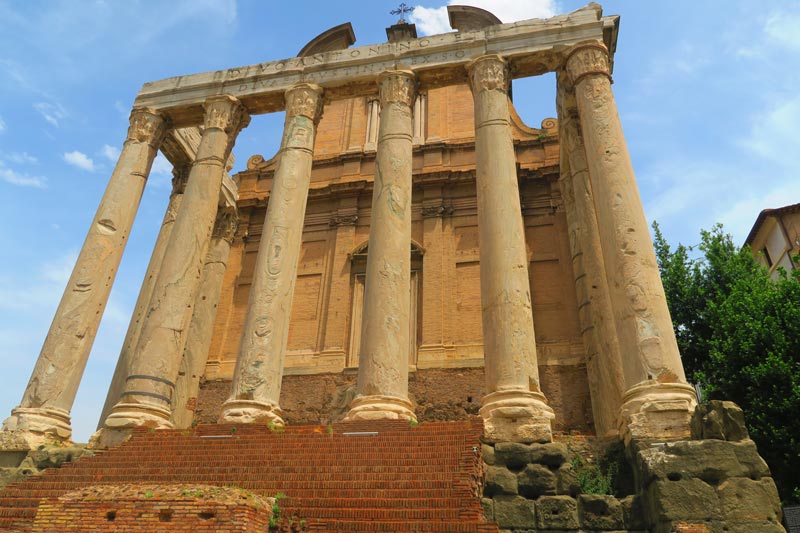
x=147 y=126
x=488 y=73
x=226 y=224
x=585 y=59
x=304 y=99
x=226 y=113
x=397 y=86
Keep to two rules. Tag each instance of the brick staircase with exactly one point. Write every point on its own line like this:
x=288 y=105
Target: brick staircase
x=364 y=476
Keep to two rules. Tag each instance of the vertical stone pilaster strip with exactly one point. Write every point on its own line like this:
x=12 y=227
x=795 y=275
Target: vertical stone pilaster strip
x=47 y=401
x=180 y=176
x=658 y=402
x=201 y=328
x=257 y=379
x=382 y=390
x=514 y=408
x=598 y=330
x=149 y=388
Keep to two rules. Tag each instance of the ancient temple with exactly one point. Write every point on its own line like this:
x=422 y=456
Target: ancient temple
x=414 y=251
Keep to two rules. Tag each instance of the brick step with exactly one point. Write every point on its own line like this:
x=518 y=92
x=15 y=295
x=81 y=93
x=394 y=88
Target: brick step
x=350 y=494
x=274 y=468
x=342 y=526
x=281 y=459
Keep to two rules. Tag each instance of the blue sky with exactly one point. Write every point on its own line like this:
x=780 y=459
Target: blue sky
x=707 y=92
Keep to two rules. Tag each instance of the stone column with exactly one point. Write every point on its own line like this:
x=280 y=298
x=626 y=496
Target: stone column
x=658 y=402
x=599 y=332
x=135 y=326
x=382 y=390
x=201 y=328
x=257 y=379
x=147 y=398
x=514 y=408
x=43 y=413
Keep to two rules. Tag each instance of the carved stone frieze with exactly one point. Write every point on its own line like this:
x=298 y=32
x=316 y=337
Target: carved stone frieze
x=226 y=113
x=397 y=86
x=343 y=220
x=304 y=99
x=147 y=126
x=432 y=211
x=587 y=59
x=488 y=73
x=226 y=224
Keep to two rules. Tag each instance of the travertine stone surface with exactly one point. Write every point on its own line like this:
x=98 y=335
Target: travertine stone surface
x=181 y=175
x=383 y=355
x=201 y=328
x=43 y=413
x=515 y=408
x=148 y=394
x=658 y=402
x=603 y=356
x=259 y=368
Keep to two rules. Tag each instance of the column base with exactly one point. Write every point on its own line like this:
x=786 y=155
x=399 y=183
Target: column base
x=122 y=420
x=29 y=427
x=251 y=412
x=379 y=407
x=652 y=410
x=516 y=416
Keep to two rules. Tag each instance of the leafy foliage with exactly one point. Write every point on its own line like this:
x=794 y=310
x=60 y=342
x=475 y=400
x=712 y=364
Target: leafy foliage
x=739 y=335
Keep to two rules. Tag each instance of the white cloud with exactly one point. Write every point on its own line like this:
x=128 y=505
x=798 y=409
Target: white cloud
x=20 y=158
x=774 y=133
x=162 y=166
x=23 y=180
x=110 y=152
x=433 y=20
x=52 y=113
x=782 y=28
x=79 y=159
x=3 y=127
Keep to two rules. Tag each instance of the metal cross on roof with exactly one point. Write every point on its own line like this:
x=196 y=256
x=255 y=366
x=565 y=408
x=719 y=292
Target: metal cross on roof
x=401 y=10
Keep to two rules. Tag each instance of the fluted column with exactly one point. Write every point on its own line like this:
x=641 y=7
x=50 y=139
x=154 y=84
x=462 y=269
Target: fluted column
x=658 y=402
x=201 y=328
x=382 y=390
x=514 y=408
x=599 y=332
x=257 y=379
x=44 y=410
x=180 y=175
x=148 y=394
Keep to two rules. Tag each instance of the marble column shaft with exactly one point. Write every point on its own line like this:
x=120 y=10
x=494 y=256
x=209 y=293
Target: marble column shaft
x=257 y=379
x=512 y=375
x=140 y=309
x=382 y=389
x=51 y=391
x=201 y=328
x=146 y=400
x=658 y=400
x=596 y=315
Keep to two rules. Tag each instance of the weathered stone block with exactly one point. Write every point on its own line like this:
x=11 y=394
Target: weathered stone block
x=556 y=512
x=514 y=512
x=536 y=480
x=600 y=511
x=713 y=461
x=552 y=454
x=488 y=508
x=487 y=452
x=746 y=500
x=633 y=513
x=500 y=480
x=567 y=481
x=514 y=455
x=690 y=500
x=764 y=527
x=719 y=420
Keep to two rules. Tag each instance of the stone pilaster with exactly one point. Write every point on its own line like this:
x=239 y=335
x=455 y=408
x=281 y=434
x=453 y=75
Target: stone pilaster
x=382 y=390
x=658 y=402
x=180 y=176
x=514 y=408
x=201 y=328
x=43 y=413
x=149 y=387
x=257 y=379
x=598 y=330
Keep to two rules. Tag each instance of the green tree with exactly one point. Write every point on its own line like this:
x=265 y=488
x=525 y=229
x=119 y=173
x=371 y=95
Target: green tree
x=739 y=335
